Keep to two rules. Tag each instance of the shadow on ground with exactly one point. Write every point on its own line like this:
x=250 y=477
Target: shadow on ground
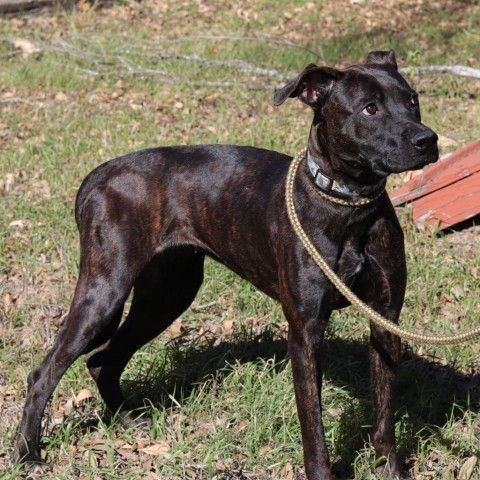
x=428 y=392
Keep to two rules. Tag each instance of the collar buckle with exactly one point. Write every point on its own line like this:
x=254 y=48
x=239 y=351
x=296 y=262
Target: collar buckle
x=320 y=179
x=328 y=185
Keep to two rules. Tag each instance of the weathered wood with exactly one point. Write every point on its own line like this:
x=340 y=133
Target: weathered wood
x=446 y=193
x=458 y=165
x=11 y=6
x=448 y=206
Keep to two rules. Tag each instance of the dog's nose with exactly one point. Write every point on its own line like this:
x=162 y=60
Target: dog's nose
x=424 y=140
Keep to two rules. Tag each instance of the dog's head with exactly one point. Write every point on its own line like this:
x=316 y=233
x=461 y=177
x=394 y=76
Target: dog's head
x=367 y=118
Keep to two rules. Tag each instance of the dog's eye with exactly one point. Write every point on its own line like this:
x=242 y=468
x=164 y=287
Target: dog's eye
x=414 y=100
x=370 y=109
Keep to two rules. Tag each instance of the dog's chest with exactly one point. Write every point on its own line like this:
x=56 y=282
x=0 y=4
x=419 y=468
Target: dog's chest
x=352 y=263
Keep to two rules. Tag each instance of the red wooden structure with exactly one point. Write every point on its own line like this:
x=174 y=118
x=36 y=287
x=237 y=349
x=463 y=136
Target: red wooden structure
x=447 y=192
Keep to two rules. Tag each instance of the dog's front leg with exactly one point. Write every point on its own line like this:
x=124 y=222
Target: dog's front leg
x=305 y=337
x=307 y=378
x=385 y=295
x=385 y=350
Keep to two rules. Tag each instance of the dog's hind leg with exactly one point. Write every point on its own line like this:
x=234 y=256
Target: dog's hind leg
x=163 y=291
x=94 y=315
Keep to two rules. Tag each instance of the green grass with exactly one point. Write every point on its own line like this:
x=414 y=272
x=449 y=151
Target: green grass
x=132 y=76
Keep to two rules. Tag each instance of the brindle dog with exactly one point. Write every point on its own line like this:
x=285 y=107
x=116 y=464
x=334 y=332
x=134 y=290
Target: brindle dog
x=148 y=219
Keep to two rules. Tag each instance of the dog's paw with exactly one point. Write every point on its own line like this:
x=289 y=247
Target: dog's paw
x=33 y=465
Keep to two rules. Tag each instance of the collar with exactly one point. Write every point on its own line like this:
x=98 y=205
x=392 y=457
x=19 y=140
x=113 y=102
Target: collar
x=330 y=186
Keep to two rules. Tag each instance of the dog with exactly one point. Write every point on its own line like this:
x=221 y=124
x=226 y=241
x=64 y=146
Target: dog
x=148 y=219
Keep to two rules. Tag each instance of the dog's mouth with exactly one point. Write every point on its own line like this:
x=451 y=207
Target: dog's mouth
x=426 y=158
x=415 y=162
x=427 y=161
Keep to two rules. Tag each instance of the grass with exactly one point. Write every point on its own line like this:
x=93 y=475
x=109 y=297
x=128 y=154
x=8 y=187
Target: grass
x=130 y=76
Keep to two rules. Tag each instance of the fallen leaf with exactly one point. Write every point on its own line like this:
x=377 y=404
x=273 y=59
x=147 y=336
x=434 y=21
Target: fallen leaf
x=457 y=292
x=117 y=94
x=9 y=181
x=127 y=454
x=84 y=5
x=287 y=472
x=121 y=444
x=242 y=425
x=62 y=97
x=69 y=406
x=176 y=329
x=149 y=476
x=265 y=449
x=26 y=46
x=466 y=471
x=8 y=300
x=156 y=449
x=18 y=224
x=83 y=395
x=228 y=326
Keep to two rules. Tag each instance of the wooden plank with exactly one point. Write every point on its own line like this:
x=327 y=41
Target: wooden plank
x=450 y=205
x=9 y=6
x=459 y=165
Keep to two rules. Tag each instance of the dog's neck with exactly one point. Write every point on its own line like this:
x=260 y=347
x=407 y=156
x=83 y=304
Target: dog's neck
x=336 y=185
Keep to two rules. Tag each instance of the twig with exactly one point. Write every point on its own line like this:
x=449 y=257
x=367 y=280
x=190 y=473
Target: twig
x=241 y=65
x=94 y=60
x=235 y=38
x=21 y=100
x=197 y=308
x=457 y=70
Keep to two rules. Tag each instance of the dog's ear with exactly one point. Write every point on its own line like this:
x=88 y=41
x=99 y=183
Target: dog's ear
x=383 y=58
x=311 y=86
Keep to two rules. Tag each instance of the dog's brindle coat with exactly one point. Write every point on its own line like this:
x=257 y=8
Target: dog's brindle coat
x=148 y=219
